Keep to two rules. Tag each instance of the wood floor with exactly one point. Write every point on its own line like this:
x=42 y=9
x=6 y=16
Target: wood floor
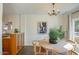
x=28 y=50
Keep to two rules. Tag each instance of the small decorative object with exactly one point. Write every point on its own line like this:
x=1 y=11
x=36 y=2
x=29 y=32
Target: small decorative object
x=68 y=46
x=7 y=27
x=16 y=30
x=42 y=27
x=55 y=34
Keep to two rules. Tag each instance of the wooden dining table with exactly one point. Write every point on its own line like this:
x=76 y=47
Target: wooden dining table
x=61 y=47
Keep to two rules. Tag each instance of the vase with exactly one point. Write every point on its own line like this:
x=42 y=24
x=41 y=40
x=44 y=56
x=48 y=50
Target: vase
x=52 y=41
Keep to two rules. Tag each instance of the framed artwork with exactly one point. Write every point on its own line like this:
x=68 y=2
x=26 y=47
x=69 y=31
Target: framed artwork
x=42 y=27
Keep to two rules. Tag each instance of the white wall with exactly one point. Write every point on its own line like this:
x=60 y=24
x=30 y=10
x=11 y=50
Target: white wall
x=31 y=26
x=64 y=22
x=52 y=21
x=28 y=24
x=12 y=18
x=1 y=9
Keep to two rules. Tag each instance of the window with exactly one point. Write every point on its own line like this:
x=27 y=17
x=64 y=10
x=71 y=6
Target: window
x=76 y=27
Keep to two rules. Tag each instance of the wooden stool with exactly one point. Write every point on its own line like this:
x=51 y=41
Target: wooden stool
x=38 y=50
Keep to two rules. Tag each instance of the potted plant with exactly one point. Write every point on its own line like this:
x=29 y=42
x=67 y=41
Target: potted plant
x=55 y=34
x=16 y=30
x=61 y=33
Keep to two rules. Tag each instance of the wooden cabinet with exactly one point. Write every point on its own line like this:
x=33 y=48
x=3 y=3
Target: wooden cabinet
x=6 y=43
x=14 y=44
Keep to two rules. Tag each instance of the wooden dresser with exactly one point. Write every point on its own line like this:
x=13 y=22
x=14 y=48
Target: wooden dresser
x=6 y=47
x=13 y=44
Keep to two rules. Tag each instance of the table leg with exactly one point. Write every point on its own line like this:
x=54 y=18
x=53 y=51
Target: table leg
x=46 y=52
x=69 y=52
x=39 y=49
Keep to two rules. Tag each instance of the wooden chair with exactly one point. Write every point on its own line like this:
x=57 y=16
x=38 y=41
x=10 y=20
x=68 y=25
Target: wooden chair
x=38 y=50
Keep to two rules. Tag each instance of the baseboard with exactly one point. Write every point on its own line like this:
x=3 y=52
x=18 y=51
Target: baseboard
x=28 y=45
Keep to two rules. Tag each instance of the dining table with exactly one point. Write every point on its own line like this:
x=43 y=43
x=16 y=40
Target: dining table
x=61 y=46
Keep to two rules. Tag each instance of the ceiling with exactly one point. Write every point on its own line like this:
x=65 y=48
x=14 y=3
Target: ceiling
x=37 y=8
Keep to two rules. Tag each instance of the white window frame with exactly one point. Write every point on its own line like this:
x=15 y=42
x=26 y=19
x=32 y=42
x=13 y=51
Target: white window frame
x=74 y=35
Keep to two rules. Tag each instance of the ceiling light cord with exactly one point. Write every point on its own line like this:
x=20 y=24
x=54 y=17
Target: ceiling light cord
x=53 y=4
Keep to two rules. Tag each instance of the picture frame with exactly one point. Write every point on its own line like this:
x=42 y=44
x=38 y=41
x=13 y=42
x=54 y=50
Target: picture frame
x=42 y=27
